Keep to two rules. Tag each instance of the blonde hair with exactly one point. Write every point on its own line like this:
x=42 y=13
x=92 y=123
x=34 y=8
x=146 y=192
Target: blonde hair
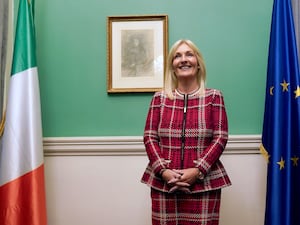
x=171 y=82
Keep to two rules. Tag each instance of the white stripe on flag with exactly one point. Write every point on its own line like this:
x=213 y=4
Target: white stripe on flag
x=22 y=149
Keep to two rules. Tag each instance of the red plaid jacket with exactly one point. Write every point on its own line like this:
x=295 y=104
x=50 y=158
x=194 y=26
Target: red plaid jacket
x=205 y=137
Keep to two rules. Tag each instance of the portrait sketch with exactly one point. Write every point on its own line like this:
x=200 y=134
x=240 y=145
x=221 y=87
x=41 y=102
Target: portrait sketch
x=137 y=53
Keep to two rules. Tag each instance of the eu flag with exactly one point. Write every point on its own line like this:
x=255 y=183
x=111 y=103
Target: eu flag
x=281 y=127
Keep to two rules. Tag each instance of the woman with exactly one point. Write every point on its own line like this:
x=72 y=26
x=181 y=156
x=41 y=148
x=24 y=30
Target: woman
x=185 y=134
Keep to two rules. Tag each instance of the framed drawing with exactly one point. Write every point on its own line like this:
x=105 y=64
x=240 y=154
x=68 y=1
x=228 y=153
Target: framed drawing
x=137 y=51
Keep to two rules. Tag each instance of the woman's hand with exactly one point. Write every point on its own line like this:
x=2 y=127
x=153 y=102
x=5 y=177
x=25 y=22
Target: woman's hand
x=173 y=178
x=189 y=175
x=181 y=179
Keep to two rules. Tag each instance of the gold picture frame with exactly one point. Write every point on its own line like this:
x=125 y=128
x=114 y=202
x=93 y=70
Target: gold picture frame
x=136 y=53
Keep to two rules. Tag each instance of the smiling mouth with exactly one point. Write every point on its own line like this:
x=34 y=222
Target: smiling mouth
x=185 y=67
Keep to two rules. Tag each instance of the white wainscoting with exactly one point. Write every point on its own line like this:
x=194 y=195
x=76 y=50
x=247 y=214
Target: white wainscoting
x=96 y=180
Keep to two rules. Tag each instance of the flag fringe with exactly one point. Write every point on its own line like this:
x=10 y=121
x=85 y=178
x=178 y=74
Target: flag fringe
x=2 y=124
x=264 y=152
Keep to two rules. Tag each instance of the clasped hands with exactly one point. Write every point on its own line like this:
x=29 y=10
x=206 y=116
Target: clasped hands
x=180 y=180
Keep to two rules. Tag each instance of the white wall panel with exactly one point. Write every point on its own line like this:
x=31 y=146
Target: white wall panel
x=92 y=181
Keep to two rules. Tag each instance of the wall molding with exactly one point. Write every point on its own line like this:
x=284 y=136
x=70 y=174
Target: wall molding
x=130 y=145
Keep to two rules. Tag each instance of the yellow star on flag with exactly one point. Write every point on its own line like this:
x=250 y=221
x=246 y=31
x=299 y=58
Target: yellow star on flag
x=297 y=92
x=271 y=90
x=285 y=86
x=281 y=163
x=295 y=160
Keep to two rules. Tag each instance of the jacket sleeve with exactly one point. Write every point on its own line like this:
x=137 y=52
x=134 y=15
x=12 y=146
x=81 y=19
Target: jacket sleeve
x=151 y=138
x=220 y=135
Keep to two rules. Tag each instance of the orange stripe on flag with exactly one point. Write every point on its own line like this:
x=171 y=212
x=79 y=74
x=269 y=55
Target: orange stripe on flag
x=22 y=201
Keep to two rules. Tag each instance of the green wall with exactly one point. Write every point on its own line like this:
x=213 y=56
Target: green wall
x=233 y=36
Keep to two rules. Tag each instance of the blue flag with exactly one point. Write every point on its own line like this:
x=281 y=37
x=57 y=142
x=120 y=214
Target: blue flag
x=281 y=127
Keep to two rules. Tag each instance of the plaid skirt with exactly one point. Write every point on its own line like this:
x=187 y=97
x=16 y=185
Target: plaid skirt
x=185 y=209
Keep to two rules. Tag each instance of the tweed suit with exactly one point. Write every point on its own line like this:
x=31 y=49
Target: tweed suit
x=205 y=138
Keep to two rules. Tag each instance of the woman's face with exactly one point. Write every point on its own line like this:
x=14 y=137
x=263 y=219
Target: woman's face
x=185 y=62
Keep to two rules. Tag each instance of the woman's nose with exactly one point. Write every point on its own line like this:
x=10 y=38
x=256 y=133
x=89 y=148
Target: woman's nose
x=183 y=58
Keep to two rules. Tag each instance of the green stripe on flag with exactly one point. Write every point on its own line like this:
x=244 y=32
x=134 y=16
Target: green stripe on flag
x=24 y=49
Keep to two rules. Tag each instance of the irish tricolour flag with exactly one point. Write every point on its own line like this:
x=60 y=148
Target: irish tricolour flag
x=22 y=189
